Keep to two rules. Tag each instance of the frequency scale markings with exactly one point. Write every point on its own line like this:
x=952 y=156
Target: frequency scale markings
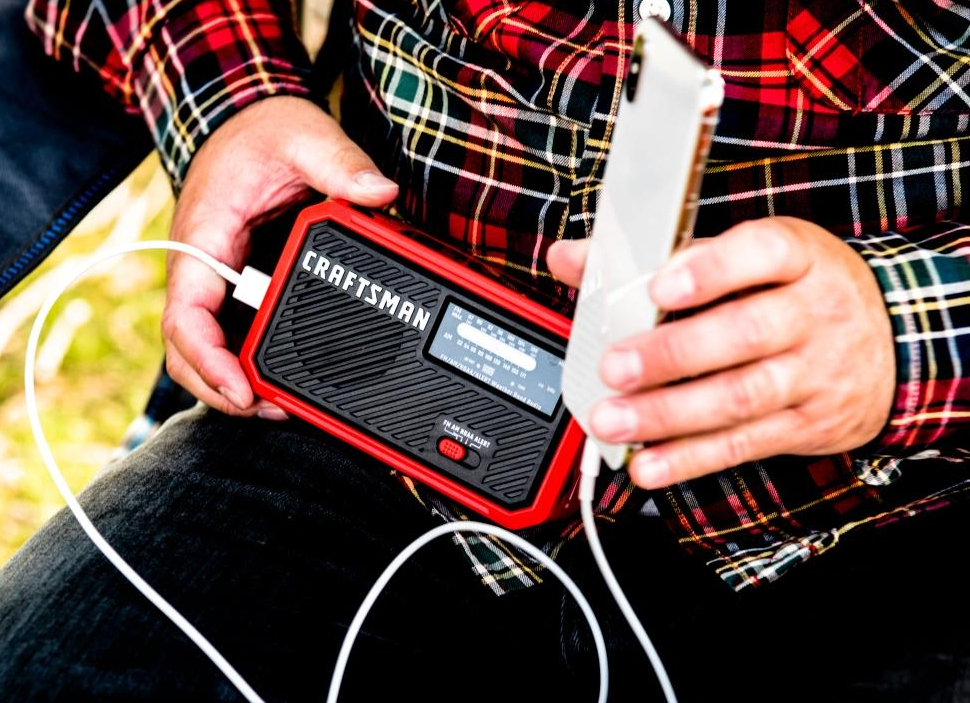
x=499 y=358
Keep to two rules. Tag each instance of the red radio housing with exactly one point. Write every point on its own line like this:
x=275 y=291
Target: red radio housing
x=412 y=352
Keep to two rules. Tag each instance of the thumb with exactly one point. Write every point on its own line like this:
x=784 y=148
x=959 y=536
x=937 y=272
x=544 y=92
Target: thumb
x=567 y=260
x=332 y=163
x=370 y=187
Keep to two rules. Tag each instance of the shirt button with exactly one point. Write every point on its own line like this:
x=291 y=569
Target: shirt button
x=655 y=8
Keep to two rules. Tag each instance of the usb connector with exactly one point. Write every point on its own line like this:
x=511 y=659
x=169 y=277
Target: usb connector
x=251 y=287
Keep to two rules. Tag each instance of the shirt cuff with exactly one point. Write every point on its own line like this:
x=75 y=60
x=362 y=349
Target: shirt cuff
x=208 y=62
x=925 y=280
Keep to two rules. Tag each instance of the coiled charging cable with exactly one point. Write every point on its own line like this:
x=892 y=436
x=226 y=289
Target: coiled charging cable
x=250 y=287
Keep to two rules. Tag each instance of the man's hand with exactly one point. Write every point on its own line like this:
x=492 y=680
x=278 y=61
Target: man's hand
x=791 y=352
x=268 y=156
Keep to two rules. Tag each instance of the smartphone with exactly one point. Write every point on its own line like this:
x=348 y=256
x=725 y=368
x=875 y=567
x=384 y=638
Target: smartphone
x=646 y=208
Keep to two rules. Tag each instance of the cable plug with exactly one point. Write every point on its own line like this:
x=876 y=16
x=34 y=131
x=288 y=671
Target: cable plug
x=589 y=469
x=251 y=287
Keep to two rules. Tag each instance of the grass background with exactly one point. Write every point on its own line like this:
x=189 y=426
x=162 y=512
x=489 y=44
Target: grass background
x=97 y=358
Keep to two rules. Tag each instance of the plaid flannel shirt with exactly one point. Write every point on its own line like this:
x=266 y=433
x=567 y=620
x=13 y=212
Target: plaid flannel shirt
x=495 y=118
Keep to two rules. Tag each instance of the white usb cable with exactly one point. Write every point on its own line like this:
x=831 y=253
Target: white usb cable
x=589 y=470
x=72 y=503
x=250 y=288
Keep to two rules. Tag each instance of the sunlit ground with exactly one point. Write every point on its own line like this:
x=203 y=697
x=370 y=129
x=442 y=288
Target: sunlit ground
x=97 y=359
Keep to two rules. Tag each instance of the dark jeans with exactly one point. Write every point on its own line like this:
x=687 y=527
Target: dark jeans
x=63 y=145
x=268 y=536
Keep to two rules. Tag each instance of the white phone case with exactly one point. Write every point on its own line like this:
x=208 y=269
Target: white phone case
x=646 y=208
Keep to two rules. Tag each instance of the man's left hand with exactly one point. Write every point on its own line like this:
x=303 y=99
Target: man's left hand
x=789 y=351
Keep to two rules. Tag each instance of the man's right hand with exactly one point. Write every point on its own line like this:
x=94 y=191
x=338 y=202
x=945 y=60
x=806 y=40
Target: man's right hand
x=266 y=157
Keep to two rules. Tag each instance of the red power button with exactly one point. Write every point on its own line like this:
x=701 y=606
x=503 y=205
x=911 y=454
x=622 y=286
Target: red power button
x=455 y=451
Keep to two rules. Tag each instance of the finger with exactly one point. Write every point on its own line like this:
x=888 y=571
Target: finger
x=332 y=163
x=267 y=411
x=196 y=347
x=730 y=334
x=191 y=282
x=183 y=374
x=567 y=260
x=716 y=402
x=221 y=235
x=680 y=460
x=749 y=255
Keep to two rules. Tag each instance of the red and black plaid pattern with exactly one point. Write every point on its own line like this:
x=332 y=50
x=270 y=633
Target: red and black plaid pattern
x=184 y=65
x=496 y=120
x=496 y=117
x=488 y=115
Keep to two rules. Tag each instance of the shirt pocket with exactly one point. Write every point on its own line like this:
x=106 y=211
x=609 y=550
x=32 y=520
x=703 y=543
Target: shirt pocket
x=882 y=56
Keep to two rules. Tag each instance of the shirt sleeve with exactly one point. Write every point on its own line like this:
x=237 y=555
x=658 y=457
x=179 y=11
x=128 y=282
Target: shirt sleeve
x=924 y=274
x=185 y=65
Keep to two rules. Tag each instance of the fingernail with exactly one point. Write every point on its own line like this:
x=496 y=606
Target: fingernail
x=232 y=397
x=622 y=368
x=613 y=421
x=650 y=470
x=271 y=412
x=672 y=286
x=372 y=180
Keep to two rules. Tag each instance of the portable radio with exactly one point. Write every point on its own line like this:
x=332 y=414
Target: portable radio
x=422 y=361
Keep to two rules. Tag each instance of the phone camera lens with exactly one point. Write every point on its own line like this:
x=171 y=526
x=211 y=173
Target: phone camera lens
x=633 y=73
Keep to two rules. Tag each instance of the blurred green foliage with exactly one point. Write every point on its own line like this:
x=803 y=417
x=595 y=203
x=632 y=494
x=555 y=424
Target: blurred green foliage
x=101 y=350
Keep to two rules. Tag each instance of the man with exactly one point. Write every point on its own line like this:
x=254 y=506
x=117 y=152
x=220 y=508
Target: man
x=812 y=400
